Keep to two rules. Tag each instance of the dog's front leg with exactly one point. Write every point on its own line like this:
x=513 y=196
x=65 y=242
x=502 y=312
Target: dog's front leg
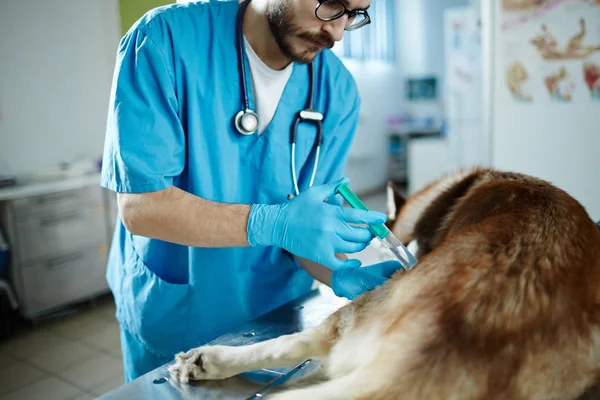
x=220 y=362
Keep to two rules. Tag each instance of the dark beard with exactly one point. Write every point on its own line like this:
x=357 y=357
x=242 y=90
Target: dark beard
x=279 y=16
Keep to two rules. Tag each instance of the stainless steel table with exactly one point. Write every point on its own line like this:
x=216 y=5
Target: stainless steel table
x=305 y=312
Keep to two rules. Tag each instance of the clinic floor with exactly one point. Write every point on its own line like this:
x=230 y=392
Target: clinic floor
x=75 y=356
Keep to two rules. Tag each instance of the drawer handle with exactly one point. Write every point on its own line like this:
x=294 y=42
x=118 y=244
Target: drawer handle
x=54 y=197
x=58 y=219
x=63 y=261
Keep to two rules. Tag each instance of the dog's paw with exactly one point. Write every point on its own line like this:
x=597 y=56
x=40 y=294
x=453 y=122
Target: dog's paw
x=202 y=363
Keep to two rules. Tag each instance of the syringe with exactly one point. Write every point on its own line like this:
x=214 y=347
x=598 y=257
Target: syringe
x=387 y=238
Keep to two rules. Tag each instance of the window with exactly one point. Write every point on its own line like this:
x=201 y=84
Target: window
x=374 y=41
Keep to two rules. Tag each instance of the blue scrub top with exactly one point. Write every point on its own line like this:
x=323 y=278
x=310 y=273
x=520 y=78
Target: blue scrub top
x=175 y=93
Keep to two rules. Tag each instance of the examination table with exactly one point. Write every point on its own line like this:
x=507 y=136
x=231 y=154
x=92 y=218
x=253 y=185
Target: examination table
x=305 y=312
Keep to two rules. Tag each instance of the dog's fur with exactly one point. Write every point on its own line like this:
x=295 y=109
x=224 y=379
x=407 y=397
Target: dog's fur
x=504 y=303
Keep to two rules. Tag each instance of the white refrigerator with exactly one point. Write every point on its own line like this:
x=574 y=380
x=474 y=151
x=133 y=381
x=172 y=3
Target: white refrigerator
x=463 y=95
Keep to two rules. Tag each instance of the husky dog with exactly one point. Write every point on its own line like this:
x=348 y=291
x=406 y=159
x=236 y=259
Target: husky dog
x=504 y=303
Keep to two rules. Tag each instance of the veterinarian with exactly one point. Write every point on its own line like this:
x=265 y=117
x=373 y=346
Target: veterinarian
x=221 y=219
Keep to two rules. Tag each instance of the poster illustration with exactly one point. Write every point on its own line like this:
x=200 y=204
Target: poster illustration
x=551 y=50
x=522 y=5
x=517 y=79
x=560 y=85
x=591 y=74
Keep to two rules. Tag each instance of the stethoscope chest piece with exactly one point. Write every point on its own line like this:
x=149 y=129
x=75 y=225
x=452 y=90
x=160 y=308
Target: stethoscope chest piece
x=246 y=122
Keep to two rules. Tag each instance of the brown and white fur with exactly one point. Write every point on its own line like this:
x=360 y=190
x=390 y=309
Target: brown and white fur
x=504 y=303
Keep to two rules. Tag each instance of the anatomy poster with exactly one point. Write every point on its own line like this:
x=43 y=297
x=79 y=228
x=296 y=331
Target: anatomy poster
x=551 y=50
x=591 y=73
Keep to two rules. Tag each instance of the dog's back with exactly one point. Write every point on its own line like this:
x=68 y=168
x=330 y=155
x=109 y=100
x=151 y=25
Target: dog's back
x=504 y=302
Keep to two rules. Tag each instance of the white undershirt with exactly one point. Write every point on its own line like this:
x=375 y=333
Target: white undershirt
x=267 y=87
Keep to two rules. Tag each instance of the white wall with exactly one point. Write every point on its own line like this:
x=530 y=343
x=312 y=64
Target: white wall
x=379 y=89
x=57 y=59
x=558 y=142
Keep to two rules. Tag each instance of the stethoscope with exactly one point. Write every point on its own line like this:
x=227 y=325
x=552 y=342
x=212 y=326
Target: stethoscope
x=246 y=120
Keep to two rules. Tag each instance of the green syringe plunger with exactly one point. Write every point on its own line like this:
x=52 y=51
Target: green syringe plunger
x=387 y=238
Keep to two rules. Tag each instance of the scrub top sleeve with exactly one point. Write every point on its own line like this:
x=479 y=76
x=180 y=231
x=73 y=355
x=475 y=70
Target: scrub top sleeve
x=145 y=143
x=337 y=156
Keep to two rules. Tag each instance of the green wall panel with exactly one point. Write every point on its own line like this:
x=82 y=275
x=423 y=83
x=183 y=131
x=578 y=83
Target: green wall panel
x=132 y=10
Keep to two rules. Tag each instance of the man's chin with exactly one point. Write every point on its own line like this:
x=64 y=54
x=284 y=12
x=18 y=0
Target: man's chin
x=305 y=56
x=299 y=52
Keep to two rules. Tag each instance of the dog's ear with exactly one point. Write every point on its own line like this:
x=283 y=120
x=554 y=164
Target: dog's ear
x=395 y=202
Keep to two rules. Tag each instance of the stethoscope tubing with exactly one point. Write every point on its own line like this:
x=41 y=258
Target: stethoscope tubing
x=309 y=114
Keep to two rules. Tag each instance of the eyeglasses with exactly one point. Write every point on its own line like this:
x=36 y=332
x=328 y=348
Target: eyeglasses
x=329 y=10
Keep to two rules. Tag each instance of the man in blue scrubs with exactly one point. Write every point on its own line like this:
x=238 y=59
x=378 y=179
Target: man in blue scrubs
x=207 y=237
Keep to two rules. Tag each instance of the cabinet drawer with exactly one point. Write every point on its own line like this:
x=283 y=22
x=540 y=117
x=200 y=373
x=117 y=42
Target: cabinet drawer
x=59 y=280
x=51 y=234
x=57 y=202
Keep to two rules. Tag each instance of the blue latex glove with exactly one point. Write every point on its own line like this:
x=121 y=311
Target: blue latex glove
x=310 y=228
x=352 y=282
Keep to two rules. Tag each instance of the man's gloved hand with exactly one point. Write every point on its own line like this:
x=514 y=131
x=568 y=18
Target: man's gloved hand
x=310 y=228
x=352 y=282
